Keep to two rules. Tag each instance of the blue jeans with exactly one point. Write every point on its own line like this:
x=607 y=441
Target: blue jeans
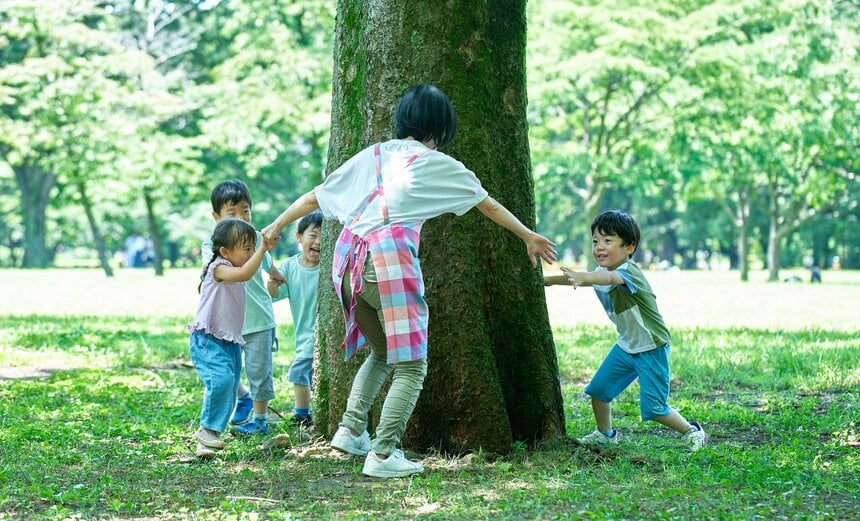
x=218 y=364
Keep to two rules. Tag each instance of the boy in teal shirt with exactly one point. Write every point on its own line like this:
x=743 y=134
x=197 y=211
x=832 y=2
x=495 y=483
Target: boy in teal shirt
x=301 y=272
x=232 y=199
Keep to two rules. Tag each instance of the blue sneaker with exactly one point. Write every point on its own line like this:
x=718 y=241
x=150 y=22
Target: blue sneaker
x=256 y=426
x=243 y=410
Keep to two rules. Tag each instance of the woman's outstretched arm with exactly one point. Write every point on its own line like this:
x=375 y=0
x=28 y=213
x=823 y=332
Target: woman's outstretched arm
x=537 y=245
x=300 y=207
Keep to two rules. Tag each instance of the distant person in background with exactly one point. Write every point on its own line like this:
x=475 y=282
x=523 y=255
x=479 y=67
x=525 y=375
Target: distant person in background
x=232 y=199
x=301 y=273
x=134 y=248
x=815 y=275
x=216 y=333
x=642 y=348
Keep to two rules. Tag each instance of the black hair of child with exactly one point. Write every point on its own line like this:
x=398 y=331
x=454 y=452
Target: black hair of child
x=311 y=220
x=231 y=191
x=425 y=112
x=616 y=222
x=228 y=233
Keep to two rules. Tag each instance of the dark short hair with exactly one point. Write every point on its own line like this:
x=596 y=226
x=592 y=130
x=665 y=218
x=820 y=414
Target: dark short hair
x=425 y=112
x=616 y=222
x=311 y=220
x=231 y=191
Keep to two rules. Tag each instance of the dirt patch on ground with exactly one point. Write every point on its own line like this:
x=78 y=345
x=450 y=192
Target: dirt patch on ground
x=33 y=372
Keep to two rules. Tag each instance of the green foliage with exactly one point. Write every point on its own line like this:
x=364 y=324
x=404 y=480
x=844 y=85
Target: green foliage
x=735 y=105
x=104 y=433
x=741 y=113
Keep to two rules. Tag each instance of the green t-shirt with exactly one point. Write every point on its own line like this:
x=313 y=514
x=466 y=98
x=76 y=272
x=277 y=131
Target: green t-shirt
x=259 y=315
x=632 y=307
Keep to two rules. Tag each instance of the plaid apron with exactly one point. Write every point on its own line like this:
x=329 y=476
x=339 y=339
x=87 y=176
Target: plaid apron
x=394 y=252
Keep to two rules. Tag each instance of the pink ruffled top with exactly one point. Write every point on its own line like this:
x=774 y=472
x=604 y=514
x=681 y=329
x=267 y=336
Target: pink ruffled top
x=221 y=312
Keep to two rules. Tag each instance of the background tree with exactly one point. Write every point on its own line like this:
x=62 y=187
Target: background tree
x=492 y=370
x=811 y=70
x=600 y=94
x=55 y=70
x=672 y=111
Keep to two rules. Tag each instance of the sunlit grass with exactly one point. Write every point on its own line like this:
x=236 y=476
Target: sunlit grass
x=104 y=434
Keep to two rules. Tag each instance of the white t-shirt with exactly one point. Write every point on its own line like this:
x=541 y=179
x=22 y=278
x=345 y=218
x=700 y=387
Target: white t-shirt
x=434 y=184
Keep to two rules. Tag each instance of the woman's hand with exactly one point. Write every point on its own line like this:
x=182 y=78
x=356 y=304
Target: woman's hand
x=539 y=246
x=272 y=231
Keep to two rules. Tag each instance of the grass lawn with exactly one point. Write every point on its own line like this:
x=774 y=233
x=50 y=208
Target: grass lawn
x=99 y=403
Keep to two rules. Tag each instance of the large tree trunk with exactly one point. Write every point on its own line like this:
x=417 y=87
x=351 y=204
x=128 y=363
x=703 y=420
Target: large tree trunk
x=493 y=375
x=35 y=186
x=98 y=239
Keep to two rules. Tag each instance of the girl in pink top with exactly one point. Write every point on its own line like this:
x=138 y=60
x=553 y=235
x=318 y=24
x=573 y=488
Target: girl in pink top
x=216 y=333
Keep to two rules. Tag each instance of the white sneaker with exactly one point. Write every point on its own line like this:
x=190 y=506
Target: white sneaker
x=598 y=438
x=344 y=441
x=204 y=452
x=695 y=440
x=394 y=466
x=209 y=438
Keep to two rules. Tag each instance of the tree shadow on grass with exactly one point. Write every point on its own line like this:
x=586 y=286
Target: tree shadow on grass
x=33 y=372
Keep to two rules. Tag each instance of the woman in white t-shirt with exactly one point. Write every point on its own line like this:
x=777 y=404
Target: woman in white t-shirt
x=382 y=196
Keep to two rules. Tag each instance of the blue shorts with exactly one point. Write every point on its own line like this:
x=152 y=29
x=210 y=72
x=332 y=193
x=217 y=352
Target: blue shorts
x=258 y=364
x=302 y=372
x=620 y=368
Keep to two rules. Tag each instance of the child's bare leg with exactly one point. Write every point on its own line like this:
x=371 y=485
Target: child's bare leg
x=303 y=396
x=602 y=414
x=675 y=421
x=261 y=407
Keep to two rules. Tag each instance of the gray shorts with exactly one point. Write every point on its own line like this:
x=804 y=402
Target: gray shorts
x=302 y=372
x=258 y=364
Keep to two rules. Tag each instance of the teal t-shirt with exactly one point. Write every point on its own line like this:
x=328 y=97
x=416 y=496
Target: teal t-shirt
x=301 y=289
x=259 y=314
x=632 y=307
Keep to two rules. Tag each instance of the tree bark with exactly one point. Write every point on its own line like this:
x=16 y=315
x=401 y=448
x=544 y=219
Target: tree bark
x=493 y=375
x=98 y=239
x=743 y=248
x=773 y=242
x=35 y=185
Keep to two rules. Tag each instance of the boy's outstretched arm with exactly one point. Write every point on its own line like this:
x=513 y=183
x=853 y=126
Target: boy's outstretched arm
x=592 y=278
x=555 y=280
x=537 y=245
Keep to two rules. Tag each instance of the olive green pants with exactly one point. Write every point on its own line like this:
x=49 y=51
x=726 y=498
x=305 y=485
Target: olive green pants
x=406 y=384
